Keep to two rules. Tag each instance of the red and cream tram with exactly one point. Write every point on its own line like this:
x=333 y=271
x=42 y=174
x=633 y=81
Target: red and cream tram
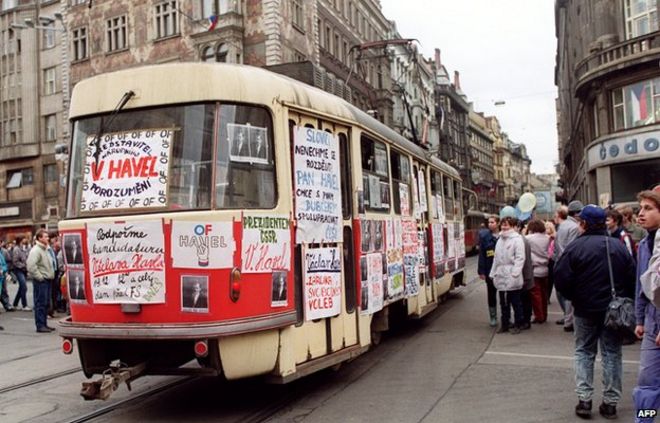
x=231 y=215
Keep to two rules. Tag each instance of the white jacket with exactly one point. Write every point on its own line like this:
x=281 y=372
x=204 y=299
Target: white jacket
x=509 y=261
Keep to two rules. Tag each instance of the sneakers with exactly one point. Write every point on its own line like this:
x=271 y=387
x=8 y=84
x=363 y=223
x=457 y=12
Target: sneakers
x=583 y=409
x=27 y=308
x=607 y=410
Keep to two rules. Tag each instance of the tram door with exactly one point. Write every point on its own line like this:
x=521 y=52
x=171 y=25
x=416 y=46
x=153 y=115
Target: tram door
x=426 y=284
x=316 y=338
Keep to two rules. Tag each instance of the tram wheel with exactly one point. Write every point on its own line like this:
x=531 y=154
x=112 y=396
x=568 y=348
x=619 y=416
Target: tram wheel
x=376 y=337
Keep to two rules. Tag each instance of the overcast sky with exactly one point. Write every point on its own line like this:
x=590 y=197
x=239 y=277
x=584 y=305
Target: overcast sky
x=504 y=51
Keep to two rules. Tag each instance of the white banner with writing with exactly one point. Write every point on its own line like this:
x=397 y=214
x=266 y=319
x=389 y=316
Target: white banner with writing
x=127 y=262
x=208 y=245
x=317 y=186
x=322 y=267
x=126 y=170
x=266 y=244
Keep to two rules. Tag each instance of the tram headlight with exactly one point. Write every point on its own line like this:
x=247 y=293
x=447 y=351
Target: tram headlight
x=235 y=284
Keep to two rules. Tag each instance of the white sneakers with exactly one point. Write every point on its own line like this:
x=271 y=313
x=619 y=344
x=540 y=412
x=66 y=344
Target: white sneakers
x=26 y=308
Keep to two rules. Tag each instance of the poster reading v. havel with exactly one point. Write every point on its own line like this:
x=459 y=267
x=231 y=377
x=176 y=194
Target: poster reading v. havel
x=266 y=244
x=317 y=186
x=125 y=170
x=207 y=245
x=127 y=262
x=322 y=291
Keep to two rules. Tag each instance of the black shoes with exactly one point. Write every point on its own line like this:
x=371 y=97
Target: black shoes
x=502 y=329
x=560 y=322
x=43 y=330
x=607 y=410
x=526 y=326
x=583 y=409
x=568 y=328
x=514 y=330
x=50 y=329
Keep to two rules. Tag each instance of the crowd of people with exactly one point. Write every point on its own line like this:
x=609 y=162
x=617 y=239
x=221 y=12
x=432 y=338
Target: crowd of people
x=587 y=254
x=41 y=263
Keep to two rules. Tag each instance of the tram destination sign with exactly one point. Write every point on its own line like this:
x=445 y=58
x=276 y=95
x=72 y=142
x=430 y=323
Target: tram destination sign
x=126 y=170
x=317 y=186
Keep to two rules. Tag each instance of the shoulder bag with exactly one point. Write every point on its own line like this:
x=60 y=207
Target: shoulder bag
x=620 y=314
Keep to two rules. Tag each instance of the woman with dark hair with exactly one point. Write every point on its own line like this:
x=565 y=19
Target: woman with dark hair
x=539 y=242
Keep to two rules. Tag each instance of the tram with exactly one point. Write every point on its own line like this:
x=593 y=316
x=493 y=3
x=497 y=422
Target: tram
x=474 y=222
x=234 y=217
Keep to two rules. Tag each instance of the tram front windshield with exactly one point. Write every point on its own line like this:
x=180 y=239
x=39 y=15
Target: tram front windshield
x=162 y=159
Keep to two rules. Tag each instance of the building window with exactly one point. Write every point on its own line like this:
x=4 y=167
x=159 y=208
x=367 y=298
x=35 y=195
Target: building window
x=80 y=43
x=219 y=54
x=49 y=81
x=636 y=104
x=19 y=178
x=50 y=173
x=50 y=124
x=297 y=14
x=116 y=33
x=641 y=17
x=48 y=35
x=167 y=23
x=215 y=7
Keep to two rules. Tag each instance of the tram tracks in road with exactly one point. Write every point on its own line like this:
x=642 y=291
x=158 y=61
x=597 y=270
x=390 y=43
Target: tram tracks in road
x=39 y=380
x=157 y=389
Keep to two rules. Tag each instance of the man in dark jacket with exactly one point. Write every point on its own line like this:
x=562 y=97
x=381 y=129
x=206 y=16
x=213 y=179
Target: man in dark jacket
x=583 y=278
x=487 y=241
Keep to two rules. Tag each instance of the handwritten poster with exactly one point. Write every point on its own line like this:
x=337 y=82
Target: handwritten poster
x=438 y=244
x=395 y=287
x=404 y=197
x=422 y=191
x=322 y=276
x=208 y=245
x=410 y=256
x=126 y=170
x=317 y=186
x=374 y=285
x=266 y=244
x=127 y=262
x=439 y=208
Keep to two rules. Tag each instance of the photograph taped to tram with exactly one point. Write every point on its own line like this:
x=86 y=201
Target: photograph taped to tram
x=278 y=289
x=73 y=249
x=76 y=279
x=194 y=293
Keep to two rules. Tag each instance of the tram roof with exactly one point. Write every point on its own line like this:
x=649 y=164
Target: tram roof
x=195 y=81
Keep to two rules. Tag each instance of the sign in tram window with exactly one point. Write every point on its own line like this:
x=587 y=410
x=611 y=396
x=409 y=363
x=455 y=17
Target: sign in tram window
x=126 y=170
x=317 y=186
x=248 y=143
x=375 y=175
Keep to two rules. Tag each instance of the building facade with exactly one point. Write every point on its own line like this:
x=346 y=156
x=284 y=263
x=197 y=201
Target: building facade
x=608 y=79
x=32 y=123
x=482 y=170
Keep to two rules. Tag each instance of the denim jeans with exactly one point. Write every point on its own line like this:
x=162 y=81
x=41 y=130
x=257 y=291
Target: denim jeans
x=21 y=294
x=510 y=299
x=588 y=333
x=41 y=297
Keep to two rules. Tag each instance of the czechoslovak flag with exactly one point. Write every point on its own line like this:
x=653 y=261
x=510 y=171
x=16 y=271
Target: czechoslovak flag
x=640 y=103
x=213 y=21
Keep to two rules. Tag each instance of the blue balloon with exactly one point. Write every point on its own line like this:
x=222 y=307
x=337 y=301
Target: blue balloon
x=508 y=211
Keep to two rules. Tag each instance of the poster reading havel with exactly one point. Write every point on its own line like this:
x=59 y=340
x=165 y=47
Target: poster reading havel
x=266 y=244
x=317 y=186
x=207 y=245
x=126 y=170
x=322 y=290
x=127 y=262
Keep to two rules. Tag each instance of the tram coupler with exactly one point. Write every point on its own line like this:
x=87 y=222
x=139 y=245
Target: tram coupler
x=117 y=373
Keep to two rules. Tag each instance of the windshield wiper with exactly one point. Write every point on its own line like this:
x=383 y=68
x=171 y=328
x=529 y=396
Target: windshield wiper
x=104 y=127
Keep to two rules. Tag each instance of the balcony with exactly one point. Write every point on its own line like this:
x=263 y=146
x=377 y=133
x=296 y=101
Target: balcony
x=627 y=53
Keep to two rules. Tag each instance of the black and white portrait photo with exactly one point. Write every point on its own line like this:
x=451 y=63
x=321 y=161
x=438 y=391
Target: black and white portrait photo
x=194 y=293
x=248 y=143
x=378 y=232
x=279 y=289
x=73 y=249
x=366 y=235
x=76 y=279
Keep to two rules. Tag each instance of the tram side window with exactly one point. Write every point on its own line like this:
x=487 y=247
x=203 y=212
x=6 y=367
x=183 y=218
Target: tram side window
x=400 y=183
x=457 y=196
x=245 y=166
x=449 y=196
x=436 y=190
x=375 y=175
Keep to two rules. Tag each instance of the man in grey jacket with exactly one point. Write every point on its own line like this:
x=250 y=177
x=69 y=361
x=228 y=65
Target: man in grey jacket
x=568 y=230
